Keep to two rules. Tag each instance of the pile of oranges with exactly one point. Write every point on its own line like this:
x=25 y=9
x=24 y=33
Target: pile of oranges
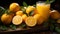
x=18 y=17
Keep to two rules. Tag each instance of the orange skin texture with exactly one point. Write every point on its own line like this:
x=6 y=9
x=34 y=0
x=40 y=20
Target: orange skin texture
x=14 y=7
x=6 y=19
x=19 y=13
x=55 y=15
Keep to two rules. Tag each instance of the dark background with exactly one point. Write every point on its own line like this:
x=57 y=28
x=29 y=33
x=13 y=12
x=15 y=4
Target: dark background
x=6 y=3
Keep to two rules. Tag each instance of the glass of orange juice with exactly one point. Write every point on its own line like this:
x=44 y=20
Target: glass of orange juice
x=43 y=9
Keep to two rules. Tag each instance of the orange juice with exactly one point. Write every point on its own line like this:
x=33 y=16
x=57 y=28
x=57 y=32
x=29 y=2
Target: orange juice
x=43 y=9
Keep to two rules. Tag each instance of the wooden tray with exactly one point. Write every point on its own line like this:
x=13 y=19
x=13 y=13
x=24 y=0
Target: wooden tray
x=25 y=30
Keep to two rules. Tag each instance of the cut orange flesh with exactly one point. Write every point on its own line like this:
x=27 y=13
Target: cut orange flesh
x=31 y=21
x=17 y=20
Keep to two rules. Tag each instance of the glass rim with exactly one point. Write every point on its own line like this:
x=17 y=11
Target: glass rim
x=40 y=2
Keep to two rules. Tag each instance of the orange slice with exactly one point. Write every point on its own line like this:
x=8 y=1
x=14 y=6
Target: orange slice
x=30 y=21
x=17 y=20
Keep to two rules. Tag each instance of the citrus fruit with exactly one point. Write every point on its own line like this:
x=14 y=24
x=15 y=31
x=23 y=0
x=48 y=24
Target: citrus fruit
x=30 y=21
x=29 y=9
x=24 y=17
x=14 y=7
x=6 y=19
x=40 y=19
x=17 y=20
x=19 y=13
x=55 y=14
x=35 y=11
x=36 y=16
x=12 y=14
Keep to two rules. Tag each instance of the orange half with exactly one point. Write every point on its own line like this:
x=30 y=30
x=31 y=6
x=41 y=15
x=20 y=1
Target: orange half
x=31 y=21
x=17 y=20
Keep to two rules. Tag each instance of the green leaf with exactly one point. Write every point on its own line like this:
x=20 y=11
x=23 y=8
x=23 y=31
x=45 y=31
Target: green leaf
x=13 y=26
x=24 y=10
x=31 y=13
x=2 y=10
x=45 y=24
x=3 y=27
x=23 y=25
x=57 y=29
x=51 y=27
x=49 y=1
x=52 y=1
x=25 y=4
x=34 y=5
x=9 y=12
x=52 y=21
